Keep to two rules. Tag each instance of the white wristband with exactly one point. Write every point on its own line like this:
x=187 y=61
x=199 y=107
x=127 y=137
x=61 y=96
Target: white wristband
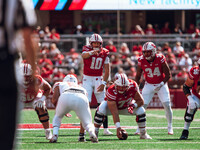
x=117 y=124
x=136 y=105
x=162 y=83
x=43 y=98
x=104 y=82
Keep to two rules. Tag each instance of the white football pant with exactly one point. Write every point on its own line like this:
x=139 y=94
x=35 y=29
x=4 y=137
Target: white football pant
x=163 y=94
x=91 y=84
x=73 y=102
x=103 y=109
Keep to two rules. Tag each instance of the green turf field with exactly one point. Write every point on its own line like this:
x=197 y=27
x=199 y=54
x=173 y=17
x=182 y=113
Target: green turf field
x=156 y=128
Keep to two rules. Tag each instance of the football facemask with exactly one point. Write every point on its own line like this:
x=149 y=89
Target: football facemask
x=149 y=50
x=121 y=83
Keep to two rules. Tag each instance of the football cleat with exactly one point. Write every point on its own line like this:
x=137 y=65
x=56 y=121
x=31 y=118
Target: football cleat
x=94 y=139
x=184 y=135
x=81 y=137
x=170 y=131
x=144 y=135
x=107 y=132
x=48 y=134
x=54 y=139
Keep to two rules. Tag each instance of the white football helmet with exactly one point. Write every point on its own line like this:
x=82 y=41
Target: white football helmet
x=121 y=83
x=149 y=50
x=70 y=78
x=27 y=72
x=95 y=38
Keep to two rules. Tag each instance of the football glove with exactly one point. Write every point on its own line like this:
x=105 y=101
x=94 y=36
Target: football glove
x=40 y=103
x=159 y=86
x=131 y=107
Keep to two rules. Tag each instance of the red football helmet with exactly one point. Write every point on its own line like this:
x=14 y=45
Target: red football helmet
x=96 y=38
x=27 y=72
x=121 y=83
x=149 y=50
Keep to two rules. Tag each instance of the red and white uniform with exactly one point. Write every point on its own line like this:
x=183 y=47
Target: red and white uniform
x=122 y=100
x=194 y=74
x=154 y=75
x=152 y=71
x=73 y=98
x=30 y=93
x=93 y=66
x=93 y=71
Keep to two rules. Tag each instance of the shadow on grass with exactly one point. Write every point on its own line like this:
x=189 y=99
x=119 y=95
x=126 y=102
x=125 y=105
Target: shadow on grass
x=177 y=139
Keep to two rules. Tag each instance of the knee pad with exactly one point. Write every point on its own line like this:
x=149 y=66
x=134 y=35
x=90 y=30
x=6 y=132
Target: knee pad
x=167 y=105
x=189 y=117
x=140 y=111
x=98 y=118
x=43 y=114
x=141 y=118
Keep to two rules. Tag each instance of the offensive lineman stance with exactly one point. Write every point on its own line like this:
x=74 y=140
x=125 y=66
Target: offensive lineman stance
x=95 y=58
x=35 y=91
x=124 y=98
x=157 y=73
x=193 y=104
x=70 y=96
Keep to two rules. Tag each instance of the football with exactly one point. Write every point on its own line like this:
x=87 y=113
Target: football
x=124 y=135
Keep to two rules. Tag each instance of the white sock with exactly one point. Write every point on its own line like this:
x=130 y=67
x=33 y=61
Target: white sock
x=168 y=112
x=96 y=129
x=142 y=126
x=170 y=125
x=187 y=125
x=55 y=130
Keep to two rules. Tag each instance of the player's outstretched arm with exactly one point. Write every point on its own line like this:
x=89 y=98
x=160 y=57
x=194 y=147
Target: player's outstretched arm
x=138 y=99
x=56 y=95
x=138 y=75
x=166 y=71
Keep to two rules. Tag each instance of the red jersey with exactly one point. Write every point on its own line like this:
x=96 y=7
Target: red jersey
x=153 y=71
x=194 y=74
x=30 y=93
x=93 y=66
x=122 y=100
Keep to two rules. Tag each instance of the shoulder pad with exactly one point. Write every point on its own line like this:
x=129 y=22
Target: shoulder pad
x=87 y=48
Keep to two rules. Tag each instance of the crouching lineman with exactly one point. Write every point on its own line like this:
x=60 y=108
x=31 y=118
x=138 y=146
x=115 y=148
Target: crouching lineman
x=35 y=91
x=119 y=100
x=193 y=104
x=70 y=96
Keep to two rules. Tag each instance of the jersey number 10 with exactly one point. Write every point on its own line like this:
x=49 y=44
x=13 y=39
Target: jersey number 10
x=96 y=63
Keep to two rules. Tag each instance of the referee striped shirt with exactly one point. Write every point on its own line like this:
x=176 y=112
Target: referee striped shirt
x=14 y=15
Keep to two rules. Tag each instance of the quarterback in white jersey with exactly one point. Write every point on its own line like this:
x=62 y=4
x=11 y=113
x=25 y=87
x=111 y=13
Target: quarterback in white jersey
x=70 y=96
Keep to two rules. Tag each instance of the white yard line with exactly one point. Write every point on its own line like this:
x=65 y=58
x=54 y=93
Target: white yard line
x=163 y=116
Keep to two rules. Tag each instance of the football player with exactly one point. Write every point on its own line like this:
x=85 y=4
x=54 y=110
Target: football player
x=70 y=96
x=193 y=97
x=95 y=59
x=35 y=91
x=122 y=97
x=156 y=72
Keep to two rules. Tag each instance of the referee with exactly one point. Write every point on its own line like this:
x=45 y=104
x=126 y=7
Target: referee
x=15 y=15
